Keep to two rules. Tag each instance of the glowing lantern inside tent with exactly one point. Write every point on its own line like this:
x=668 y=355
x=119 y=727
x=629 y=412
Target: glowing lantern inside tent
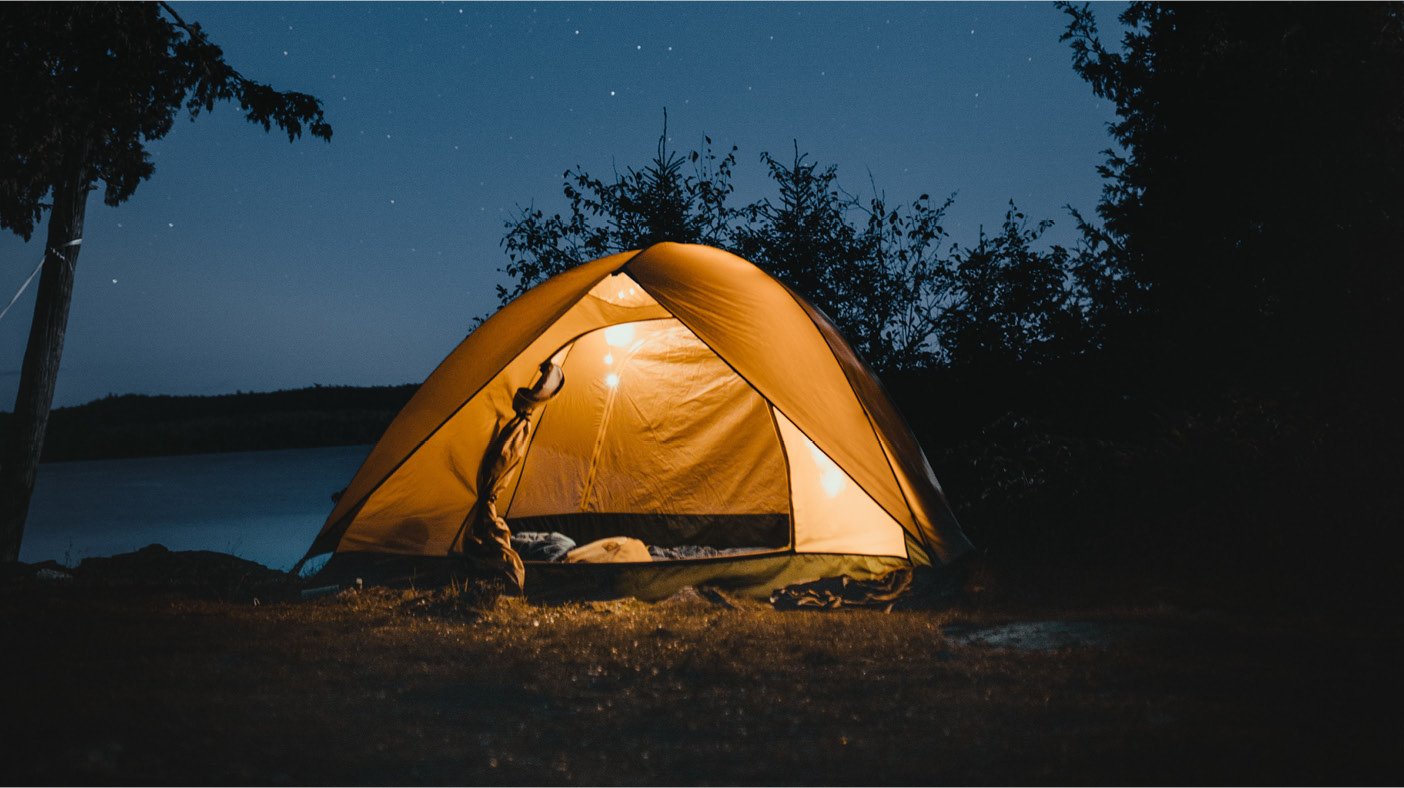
x=831 y=478
x=620 y=335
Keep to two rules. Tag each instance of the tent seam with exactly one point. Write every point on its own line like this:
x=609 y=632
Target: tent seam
x=785 y=456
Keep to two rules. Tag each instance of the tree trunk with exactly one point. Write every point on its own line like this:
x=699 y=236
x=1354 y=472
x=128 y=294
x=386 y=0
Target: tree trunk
x=25 y=440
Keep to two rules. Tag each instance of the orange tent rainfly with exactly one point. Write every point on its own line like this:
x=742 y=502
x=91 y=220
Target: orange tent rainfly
x=678 y=397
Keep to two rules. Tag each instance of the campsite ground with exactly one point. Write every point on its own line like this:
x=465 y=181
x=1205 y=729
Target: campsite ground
x=1036 y=679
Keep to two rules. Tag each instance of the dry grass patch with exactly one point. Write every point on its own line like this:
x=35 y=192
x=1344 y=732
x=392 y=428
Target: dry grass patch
x=454 y=686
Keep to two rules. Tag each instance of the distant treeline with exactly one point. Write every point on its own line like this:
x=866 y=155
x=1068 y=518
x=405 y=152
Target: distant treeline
x=134 y=425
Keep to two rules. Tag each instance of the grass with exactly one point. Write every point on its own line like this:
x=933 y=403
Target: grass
x=453 y=686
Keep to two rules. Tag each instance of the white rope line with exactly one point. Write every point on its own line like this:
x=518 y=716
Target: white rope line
x=66 y=259
x=20 y=292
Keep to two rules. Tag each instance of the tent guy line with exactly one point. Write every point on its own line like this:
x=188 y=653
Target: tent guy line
x=20 y=292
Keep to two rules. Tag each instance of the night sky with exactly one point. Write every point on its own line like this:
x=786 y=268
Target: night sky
x=248 y=263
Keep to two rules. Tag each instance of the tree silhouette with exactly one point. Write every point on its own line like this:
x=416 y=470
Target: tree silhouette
x=87 y=85
x=1255 y=200
x=637 y=209
x=805 y=239
x=884 y=273
x=876 y=271
x=1013 y=305
x=902 y=289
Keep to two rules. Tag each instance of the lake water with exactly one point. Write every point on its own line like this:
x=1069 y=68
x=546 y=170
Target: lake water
x=265 y=506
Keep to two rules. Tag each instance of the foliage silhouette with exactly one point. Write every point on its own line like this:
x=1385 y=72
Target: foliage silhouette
x=1244 y=286
x=637 y=209
x=1014 y=305
x=886 y=275
x=88 y=84
x=1255 y=197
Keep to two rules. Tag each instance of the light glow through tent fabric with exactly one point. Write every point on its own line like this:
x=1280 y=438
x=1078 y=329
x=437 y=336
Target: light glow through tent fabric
x=620 y=335
x=830 y=477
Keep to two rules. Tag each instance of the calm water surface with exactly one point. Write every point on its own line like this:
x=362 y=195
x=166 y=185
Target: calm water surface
x=265 y=506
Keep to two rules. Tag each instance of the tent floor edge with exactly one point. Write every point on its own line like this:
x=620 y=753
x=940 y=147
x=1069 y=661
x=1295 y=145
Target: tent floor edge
x=750 y=577
x=746 y=577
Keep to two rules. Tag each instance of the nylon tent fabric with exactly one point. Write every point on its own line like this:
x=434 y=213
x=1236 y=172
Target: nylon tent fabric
x=616 y=441
x=479 y=356
x=913 y=470
x=727 y=302
x=504 y=352
x=416 y=509
x=418 y=486
x=827 y=501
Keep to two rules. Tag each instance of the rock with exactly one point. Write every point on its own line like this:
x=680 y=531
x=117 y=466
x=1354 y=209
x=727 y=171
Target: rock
x=704 y=596
x=1043 y=635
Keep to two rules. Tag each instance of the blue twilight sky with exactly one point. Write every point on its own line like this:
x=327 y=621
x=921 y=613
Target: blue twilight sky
x=248 y=263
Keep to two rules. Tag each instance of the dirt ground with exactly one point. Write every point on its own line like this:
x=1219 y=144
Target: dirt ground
x=134 y=685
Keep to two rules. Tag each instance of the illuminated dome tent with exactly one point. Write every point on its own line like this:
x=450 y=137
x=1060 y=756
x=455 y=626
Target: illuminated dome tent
x=703 y=403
